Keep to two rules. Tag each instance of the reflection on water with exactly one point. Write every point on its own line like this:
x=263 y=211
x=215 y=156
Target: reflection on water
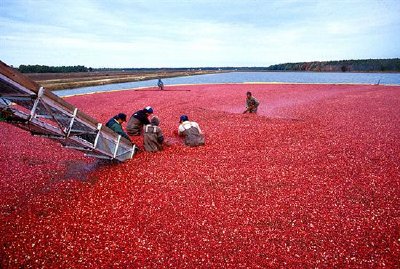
x=243 y=77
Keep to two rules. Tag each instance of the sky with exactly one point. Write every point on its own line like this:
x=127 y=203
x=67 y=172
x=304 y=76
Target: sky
x=202 y=33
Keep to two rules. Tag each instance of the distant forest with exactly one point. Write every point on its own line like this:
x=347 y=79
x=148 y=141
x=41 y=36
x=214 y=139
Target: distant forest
x=368 y=65
x=52 y=69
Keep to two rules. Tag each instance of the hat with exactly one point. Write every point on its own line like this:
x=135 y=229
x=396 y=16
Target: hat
x=121 y=116
x=249 y=93
x=149 y=109
x=155 y=121
x=183 y=118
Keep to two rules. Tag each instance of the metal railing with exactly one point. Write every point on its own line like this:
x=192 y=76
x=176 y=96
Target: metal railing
x=25 y=104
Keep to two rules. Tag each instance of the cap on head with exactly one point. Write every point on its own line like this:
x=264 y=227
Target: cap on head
x=183 y=118
x=248 y=93
x=149 y=109
x=122 y=116
x=155 y=121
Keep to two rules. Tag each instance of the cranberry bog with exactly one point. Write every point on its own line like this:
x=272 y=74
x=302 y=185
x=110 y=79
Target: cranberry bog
x=313 y=180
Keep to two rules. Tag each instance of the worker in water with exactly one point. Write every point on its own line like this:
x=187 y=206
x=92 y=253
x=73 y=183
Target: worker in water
x=138 y=120
x=152 y=136
x=191 y=131
x=115 y=124
x=160 y=84
x=251 y=104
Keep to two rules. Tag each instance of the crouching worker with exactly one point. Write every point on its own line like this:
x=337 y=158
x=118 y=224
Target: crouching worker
x=251 y=104
x=152 y=136
x=138 y=119
x=115 y=124
x=191 y=131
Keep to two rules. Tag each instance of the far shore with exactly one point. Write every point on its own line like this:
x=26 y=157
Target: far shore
x=62 y=81
x=65 y=81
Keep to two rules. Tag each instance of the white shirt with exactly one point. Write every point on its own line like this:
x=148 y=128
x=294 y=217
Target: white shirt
x=187 y=125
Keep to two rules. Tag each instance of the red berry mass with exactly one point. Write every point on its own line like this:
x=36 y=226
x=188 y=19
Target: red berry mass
x=312 y=180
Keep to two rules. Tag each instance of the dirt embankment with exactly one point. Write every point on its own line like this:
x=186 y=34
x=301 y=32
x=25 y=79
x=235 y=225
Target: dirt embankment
x=60 y=81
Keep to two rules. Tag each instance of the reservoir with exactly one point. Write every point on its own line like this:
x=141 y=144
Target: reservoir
x=250 y=77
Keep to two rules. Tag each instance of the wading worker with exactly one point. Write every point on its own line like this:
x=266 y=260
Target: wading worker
x=152 y=136
x=251 y=104
x=191 y=131
x=160 y=84
x=138 y=119
x=115 y=124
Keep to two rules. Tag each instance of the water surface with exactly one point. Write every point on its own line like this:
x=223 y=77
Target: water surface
x=249 y=77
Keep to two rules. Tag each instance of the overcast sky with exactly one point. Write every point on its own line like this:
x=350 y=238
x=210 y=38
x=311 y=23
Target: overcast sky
x=188 y=33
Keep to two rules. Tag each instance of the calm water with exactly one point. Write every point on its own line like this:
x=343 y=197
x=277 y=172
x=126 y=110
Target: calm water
x=240 y=77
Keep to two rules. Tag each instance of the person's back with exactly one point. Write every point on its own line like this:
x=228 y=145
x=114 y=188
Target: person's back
x=152 y=136
x=192 y=132
x=110 y=123
x=115 y=124
x=137 y=120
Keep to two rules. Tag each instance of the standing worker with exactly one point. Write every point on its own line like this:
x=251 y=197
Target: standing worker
x=138 y=119
x=251 y=104
x=152 y=136
x=191 y=131
x=160 y=84
x=115 y=124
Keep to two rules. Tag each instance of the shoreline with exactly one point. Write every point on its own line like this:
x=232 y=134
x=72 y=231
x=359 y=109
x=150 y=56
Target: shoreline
x=65 y=81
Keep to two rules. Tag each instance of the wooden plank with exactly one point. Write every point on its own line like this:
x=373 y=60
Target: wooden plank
x=60 y=102
x=16 y=76
x=85 y=117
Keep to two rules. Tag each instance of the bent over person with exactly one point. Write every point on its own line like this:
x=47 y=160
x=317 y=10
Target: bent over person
x=152 y=136
x=251 y=104
x=115 y=124
x=138 y=119
x=191 y=131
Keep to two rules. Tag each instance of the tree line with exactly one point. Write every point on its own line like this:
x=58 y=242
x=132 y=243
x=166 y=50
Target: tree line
x=52 y=69
x=368 y=65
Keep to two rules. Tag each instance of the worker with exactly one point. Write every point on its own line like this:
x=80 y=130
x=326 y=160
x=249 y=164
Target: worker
x=191 y=131
x=138 y=120
x=160 y=84
x=251 y=104
x=152 y=136
x=115 y=124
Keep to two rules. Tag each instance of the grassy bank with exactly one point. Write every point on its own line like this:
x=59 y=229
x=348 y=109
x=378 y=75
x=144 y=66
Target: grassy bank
x=60 y=81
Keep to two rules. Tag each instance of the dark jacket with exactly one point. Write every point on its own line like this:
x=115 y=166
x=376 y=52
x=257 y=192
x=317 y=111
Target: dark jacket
x=136 y=122
x=141 y=116
x=114 y=125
